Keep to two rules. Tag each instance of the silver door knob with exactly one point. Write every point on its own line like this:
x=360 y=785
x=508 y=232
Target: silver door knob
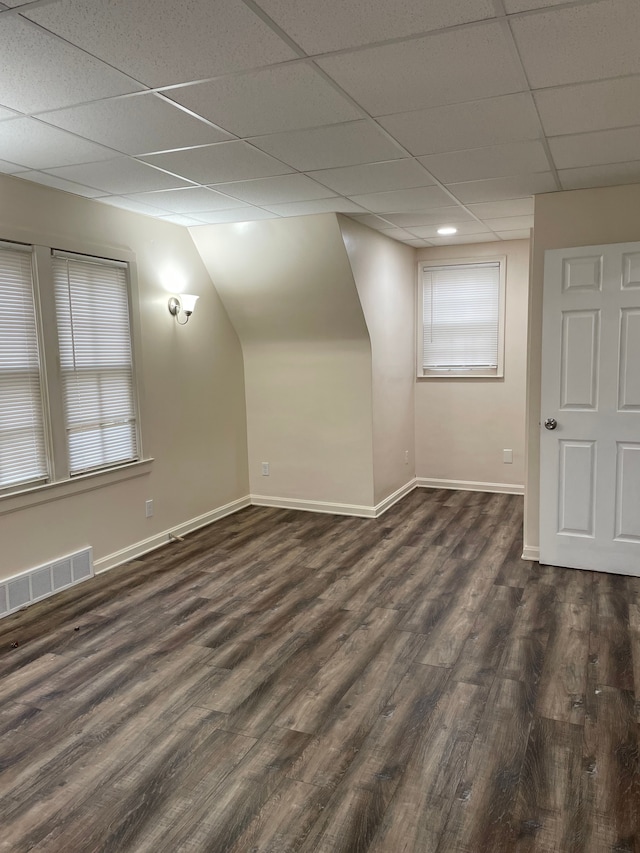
x=550 y=423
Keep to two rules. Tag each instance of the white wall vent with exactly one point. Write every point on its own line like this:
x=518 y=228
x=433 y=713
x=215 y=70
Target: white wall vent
x=41 y=582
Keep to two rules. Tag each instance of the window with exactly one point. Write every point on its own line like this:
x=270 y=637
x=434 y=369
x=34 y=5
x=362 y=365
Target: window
x=96 y=365
x=461 y=319
x=23 y=457
x=67 y=380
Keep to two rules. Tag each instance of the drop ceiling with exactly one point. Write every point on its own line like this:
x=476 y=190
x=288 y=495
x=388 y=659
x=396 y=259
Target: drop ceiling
x=405 y=114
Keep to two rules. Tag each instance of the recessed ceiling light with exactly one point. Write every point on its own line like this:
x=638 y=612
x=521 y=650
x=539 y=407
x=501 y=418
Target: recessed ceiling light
x=447 y=231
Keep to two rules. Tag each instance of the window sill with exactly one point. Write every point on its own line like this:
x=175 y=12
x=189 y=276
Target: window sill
x=463 y=374
x=67 y=488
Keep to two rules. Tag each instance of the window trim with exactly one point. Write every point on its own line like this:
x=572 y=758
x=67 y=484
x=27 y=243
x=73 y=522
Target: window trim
x=469 y=373
x=59 y=482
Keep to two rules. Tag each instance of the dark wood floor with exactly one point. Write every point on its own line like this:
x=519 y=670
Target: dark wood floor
x=284 y=681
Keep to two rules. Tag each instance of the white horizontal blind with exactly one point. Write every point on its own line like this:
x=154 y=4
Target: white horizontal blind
x=460 y=313
x=23 y=457
x=96 y=363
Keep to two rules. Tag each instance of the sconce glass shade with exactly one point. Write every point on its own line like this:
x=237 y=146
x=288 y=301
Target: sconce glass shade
x=188 y=302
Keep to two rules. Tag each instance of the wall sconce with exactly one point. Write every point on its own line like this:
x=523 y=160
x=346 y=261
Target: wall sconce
x=185 y=303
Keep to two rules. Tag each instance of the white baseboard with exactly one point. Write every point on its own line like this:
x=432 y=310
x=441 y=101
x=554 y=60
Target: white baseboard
x=392 y=499
x=153 y=542
x=358 y=510
x=530 y=553
x=470 y=486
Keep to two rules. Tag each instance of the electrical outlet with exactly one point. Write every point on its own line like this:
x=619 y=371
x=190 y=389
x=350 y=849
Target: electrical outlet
x=406 y=457
x=265 y=469
x=507 y=456
x=148 y=508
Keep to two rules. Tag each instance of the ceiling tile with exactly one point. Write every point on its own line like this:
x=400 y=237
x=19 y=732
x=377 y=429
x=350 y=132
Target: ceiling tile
x=420 y=73
x=512 y=6
x=590 y=106
x=600 y=176
x=399 y=201
x=39 y=146
x=374 y=177
x=514 y=158
x=179 y=219
x=437 y=216
x=245 y=214
x=397 y=234
x=418 y=244
x=524 y=234
x=120 y=176
x=461 y=126
x=497 y=189
x=222 y=162
x=320 y=205
x=586 y=42
x=336 y=24
x=456 y=241
x=6 y=113
x=136 y=125
x=191 y=200
x=268 y=101
x=280 y=190
x=60 y=184
x=46 y=72
x=371 y=221
x=10 y=168
x=327 y=147
x=510 y=207
x=429 y=232
x=510 y=223
x=594 y=149
x=132 y=205
x=160 y=42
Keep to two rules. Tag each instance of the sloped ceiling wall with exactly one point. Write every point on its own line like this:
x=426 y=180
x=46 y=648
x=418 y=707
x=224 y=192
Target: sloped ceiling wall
x=384 y=272
x=289 y=290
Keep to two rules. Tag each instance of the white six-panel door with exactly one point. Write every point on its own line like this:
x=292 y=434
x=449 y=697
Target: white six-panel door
x=590 y=461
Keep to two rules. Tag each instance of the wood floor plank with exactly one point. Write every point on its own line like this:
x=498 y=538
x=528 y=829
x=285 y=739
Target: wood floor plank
x=333 y=680
x=482 y=814
x=420 y=805
x=485 y=643
x=610 y=652
x=285 y=820
x=274 y=694
x=549 y=814
x=239 y=797
x=611 y=774
x=348 y=722
x=563 y=683
x=353 y=815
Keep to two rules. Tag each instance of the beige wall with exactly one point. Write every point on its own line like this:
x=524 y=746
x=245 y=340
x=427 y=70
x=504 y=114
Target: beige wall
x=192 y=411
x=290 y=293
x=565 y=220
x=384 y=273
x=463 y=425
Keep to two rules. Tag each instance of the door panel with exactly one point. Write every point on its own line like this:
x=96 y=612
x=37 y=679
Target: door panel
x=577 y=488
x=629 y=378
x=590 y=463
x=579 y=367
x=628 y=492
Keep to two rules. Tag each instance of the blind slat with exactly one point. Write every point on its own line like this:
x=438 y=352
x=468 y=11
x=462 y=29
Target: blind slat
x=460 y=317
x=23 y=456
x=96 y=362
